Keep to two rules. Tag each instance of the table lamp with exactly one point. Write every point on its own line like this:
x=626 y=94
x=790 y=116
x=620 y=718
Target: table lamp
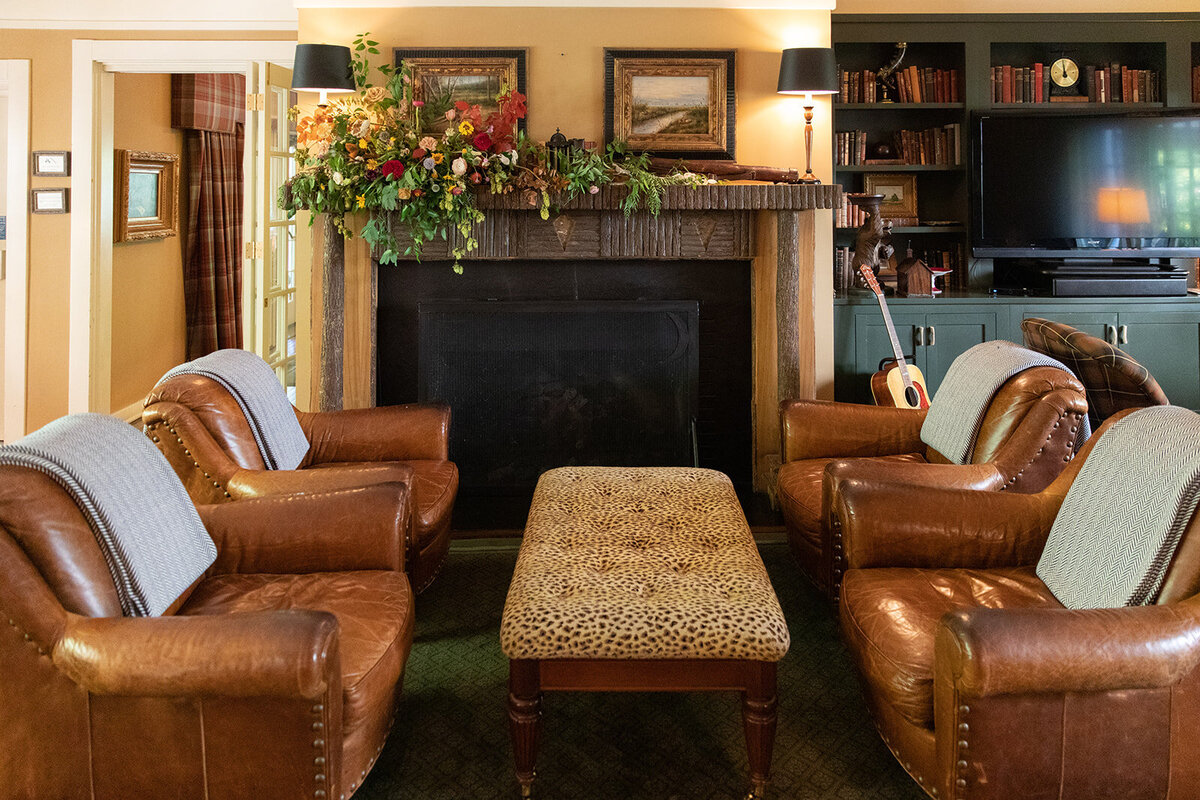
x=808 y=71
x=322 y=68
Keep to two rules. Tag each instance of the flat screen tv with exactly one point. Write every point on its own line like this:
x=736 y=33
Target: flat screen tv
x=1086 y=186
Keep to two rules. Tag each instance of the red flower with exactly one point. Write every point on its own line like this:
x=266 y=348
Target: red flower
x=456 y=190
x=462 y=105
x=482 y=142
x=392 y=168
x=418 y=153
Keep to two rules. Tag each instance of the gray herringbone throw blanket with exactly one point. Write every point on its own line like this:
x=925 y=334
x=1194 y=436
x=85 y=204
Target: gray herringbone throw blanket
x=957 y=409
x=257 y=391
x=145 y=524
x=1122 y=519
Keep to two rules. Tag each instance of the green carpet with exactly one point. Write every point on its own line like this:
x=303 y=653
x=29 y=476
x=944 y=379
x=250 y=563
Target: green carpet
x=451 y=736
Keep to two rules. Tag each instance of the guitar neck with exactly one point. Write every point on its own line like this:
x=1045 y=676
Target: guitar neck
x=891 y=329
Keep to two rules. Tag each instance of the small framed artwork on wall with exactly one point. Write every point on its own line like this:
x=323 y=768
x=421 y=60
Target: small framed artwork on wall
x=673 y=103
x=899 y=196
x=147 y=201
x=444 y=76
x=50 y=201
x=53 y=163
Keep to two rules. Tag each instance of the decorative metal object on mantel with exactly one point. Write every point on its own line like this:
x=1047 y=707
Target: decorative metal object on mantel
x=887 y=75
x=726 y=170
x=808 y=71
x=873 y=242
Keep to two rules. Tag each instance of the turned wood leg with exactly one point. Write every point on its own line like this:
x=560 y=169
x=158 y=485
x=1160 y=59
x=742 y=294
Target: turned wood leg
x=758 y=717
x=524 y=718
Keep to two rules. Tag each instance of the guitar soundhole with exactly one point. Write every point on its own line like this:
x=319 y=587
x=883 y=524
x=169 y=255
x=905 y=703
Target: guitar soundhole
x=911 y=397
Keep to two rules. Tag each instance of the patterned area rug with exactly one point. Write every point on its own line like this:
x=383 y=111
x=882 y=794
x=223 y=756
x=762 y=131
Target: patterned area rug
x=451 y=742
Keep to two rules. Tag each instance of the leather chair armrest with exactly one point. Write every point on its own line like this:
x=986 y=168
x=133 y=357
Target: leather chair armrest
x=362 y=528
x=989 y=652
x=895 y=525
x=249 y=483
x=824 y=429
x=387 y=433
x=261 y=654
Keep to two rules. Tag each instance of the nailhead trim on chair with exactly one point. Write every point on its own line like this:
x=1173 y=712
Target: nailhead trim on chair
x=835 y=579
x=150 y=430
x=42 y=651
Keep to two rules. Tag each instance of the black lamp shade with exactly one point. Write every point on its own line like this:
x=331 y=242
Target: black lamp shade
x=322 y=67
x=808 y=70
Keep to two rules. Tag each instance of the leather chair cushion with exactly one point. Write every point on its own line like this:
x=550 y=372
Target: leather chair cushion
x=799 y=489
x=890 y=617
x=434 y=485
x=374 y=610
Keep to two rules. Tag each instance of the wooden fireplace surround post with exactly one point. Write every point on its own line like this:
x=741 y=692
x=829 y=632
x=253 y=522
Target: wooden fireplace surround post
x=772 y=226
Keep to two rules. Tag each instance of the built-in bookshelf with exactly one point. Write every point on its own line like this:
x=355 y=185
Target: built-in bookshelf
x=1127 y=64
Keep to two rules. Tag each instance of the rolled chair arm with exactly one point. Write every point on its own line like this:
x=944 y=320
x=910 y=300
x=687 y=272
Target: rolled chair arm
x=387 y=433
x=824 y=429
x=991 y=652
x=363 y=528
x=893 y=525
x=261 y=654
x=249 y=483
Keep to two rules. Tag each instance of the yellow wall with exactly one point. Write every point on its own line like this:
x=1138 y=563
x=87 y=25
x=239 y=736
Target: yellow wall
x=565 y=64
x=49 y=235
x=148 y=331
x=1011 y=6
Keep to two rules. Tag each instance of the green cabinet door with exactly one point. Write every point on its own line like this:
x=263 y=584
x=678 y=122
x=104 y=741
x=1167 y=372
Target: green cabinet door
x=1097 y=323
x=948 y=334
x=871 y=344
x=1167 y=343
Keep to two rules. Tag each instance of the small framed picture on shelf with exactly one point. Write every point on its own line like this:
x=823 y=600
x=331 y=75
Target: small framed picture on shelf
x=443 y=76
x=52 y=163
x=899 y=196
x=673 y=103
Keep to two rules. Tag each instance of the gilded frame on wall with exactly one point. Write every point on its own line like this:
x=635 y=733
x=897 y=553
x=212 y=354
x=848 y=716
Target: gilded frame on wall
x=147 y=197
x=673 y=103
x=899 y=192
x=439 y=74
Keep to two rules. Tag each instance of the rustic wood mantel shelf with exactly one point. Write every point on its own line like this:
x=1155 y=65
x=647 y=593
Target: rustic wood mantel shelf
x=771 y=226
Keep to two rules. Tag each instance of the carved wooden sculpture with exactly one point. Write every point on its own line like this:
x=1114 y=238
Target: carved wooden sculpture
x=872 y=243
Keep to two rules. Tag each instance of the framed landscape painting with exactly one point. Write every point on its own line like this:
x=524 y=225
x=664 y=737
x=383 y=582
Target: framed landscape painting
x=899 y=195
x=147 y=201
x=444 y=76
x=673 y=103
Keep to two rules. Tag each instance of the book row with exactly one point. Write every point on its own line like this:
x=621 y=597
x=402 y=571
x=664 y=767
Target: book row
x=1114 y=83
x=846 y=278
x=1196 y=84
x=913 y=85
x=931 y=146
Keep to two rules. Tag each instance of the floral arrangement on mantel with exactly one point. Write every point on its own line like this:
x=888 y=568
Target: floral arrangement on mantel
x=367 y=153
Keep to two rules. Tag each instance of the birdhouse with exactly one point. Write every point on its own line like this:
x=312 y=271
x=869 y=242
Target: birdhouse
x=914 y=278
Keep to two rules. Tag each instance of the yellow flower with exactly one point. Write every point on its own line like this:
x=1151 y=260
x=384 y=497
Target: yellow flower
x=361 y=201
x=363 y=144
x=437 y=157
x=466 y=128
x=372 y=163
x=403 y=193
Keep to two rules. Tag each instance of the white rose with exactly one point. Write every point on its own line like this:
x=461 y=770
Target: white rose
x=459 y=166
x=318 y=149
x=337 y=178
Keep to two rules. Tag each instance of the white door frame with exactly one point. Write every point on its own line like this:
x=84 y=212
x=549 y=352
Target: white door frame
x=16 y=298
x=93 y=62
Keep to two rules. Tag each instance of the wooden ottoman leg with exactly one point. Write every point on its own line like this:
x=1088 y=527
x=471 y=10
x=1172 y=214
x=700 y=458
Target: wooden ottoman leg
x=758 y=717
x=524 y=718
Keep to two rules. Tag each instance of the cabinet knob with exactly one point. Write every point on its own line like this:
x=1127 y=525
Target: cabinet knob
x=931 y=335
x=919 y=336
x=1110 y=334
x=1123 y=334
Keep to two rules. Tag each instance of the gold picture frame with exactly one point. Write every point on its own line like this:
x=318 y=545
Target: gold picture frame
x=147 y=197
x=673 y=103
x=443 y=76
x=899 y=192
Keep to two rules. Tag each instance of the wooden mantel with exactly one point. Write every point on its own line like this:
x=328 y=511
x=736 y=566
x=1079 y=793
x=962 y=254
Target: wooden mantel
x=771 y=226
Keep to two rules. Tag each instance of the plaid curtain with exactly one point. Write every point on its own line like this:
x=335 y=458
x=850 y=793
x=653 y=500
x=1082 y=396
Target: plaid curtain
x=212 y=270
x=212 y=111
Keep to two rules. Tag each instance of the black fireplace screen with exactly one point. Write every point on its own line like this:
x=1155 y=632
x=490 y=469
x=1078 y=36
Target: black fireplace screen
x=537 y=385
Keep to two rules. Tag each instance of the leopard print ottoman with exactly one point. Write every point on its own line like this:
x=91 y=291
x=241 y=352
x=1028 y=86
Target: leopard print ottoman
x=640 y=563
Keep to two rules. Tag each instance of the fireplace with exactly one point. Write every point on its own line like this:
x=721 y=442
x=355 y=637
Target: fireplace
x=545 y=364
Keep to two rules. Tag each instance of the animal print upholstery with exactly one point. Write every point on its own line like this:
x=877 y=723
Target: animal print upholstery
x=633 y=563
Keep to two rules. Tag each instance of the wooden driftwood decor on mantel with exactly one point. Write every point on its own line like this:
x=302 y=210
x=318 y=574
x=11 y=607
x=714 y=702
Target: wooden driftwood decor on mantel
x=770 y=226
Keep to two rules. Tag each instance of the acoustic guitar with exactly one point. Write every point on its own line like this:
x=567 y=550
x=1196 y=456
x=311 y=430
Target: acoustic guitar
x=896 y=383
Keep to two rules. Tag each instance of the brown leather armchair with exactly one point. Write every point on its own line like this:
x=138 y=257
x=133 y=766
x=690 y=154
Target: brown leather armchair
x=1114 y=380
x=201 y=429
x=1027 y=436
x=981 y=683
x=275 y=676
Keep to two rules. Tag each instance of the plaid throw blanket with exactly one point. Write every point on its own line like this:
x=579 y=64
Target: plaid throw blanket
x=957 y=409
x=1112 y=542
x=145 y=524
x=256 y=389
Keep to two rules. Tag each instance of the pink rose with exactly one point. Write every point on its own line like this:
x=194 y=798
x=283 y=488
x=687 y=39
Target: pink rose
x=450 y=115
x=418 y=103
